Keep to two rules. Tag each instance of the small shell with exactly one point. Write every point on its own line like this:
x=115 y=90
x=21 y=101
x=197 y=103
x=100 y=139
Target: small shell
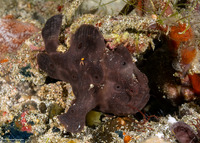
x=184 y=133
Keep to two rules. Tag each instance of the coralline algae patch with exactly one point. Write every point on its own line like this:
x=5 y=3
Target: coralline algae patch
x=13 y=34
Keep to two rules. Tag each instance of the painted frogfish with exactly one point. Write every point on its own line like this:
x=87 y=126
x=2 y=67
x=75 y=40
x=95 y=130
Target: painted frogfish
x=102 y=79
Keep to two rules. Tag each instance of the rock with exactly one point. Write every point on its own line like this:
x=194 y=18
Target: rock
x=54 y=110
x=106 y=7
x=42 y=107
x=155 y=140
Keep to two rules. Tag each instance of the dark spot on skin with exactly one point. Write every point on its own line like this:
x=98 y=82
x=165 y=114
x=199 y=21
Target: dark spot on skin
x=118 y=87
x=96 y=77
x=80 y=46
x=101 y=81
x=124 y=63
x=74 y=76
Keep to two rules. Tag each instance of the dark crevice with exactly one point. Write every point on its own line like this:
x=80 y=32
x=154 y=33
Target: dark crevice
x=157 y=65
x=50 y=80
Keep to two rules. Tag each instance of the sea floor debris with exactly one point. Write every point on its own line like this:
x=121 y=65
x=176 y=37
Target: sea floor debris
x=158 y=39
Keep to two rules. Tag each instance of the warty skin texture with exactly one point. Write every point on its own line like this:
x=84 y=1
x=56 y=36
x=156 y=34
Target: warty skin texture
x=104 y=79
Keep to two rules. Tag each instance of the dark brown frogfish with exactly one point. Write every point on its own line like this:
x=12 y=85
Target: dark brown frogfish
x=101 y=78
